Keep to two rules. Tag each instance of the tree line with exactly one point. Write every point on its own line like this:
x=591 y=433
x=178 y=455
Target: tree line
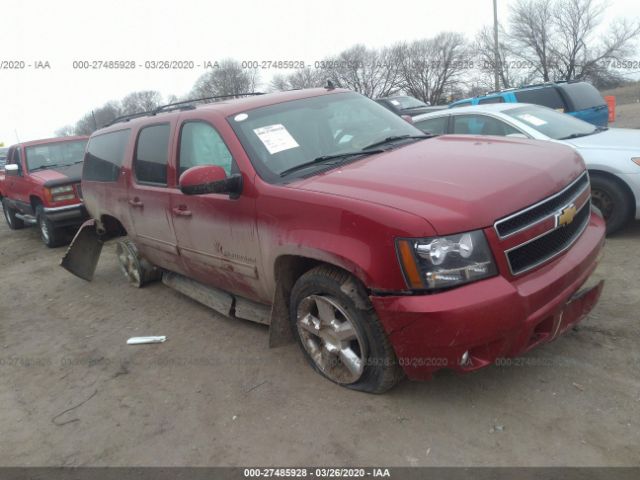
x=541 y=41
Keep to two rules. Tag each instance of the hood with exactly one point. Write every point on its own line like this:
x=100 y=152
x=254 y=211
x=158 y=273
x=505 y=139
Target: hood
x=55 y=176
x=456 y=183
x=612 y=139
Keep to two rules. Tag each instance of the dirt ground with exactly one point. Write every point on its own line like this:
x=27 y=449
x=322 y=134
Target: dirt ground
x=627 y=116
x=215 y=394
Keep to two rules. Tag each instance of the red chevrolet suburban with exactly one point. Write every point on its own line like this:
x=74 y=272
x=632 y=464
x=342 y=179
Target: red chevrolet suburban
x=41 y=185
x=383 y=251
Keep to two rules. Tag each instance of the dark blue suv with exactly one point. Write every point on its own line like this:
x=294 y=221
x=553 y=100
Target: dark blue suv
x=580 y=99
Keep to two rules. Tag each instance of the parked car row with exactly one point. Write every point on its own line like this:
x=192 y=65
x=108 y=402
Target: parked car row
x=612 y=155
x=579 y=99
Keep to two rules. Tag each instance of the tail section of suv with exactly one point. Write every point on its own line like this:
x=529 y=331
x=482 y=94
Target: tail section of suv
x=580 y=99
x=382 y=251
x=41 y=186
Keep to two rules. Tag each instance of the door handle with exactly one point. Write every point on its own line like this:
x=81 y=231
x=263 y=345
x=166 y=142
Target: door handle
x=182 y=211
x=136 y=203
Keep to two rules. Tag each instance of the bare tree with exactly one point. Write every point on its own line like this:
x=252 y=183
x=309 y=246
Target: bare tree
x=374 y=73
x=142 y=101
x=97 y=118
x=229 y=78
x=302 y=78
x=66 y=131
x=512 y=71
x=531 y=32
x=559 y=38
x=578 y=54
x=431 y=68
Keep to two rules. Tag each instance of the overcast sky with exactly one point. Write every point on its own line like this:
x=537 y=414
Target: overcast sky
x=36 y=102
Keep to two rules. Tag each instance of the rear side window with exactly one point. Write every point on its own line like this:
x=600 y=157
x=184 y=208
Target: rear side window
x=582 y=95
x=547 y=97
x=152 y=154
x=481 y=125
x=484 y=101
x=201 y=144
x=437 y=126
x=104 y=156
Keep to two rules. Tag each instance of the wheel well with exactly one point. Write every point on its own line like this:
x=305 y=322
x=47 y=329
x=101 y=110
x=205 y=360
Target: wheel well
x=620 y=182
x=287 y=270
x=34 y=201
x=112 y=226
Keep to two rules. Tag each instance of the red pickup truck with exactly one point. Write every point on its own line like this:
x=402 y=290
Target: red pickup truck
x=382 y=250
x=41 y=185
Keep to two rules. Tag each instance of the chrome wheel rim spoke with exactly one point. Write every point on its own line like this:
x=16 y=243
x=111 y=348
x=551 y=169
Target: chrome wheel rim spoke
x=331 y=339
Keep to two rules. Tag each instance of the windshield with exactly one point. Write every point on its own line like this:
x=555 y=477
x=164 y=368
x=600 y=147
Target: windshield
x=404 y=103
x=60 y=154
x=281 y=137
x=551 y=123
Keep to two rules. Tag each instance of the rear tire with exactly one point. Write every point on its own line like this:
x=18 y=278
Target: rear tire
x=10 y=216
x=339 y=332
x=51 y=236
x=612 y=200
x=136 y=269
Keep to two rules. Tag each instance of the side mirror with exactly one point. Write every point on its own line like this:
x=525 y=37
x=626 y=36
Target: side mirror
x=210 y=179
x=11 y=169
x=407 y=118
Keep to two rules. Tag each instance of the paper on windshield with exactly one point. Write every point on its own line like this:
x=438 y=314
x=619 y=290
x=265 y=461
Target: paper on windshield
x=395 y=102
x=532 y=119
x=276 y=138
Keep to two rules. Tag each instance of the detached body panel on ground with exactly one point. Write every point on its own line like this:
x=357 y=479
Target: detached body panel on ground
x=378 y=251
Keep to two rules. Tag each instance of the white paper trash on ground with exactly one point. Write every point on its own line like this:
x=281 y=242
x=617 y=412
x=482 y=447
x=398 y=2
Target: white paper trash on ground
x=144 y=340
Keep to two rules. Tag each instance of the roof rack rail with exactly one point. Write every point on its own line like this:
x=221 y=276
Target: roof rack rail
x=181 y=105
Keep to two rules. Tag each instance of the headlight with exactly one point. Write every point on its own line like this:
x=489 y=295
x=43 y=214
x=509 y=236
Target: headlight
x=636 y=160
x=61 y=190
x=443 y=262
x=62 y=193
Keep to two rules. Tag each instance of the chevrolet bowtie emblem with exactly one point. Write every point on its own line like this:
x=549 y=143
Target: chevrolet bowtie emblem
x=566 y=215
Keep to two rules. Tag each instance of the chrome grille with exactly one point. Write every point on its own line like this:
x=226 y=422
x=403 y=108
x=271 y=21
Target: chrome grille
x=542 y=249
x=533 y=214
x=558 y=220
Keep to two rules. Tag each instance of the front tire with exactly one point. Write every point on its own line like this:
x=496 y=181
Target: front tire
x=51 y=236
x=610 y=197
x=10 y=216
x=339 y=331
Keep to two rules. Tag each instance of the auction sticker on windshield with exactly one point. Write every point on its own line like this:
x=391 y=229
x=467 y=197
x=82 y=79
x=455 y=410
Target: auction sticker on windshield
x=532 y=119
x=276 y=138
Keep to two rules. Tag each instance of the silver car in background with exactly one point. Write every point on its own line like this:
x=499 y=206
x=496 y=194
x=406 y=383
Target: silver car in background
x=612 y=155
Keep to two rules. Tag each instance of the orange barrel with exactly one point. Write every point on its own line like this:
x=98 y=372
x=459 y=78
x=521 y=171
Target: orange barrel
x=611 y=103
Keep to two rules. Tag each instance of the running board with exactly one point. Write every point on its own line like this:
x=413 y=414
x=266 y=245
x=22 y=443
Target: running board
x=218 y=300
x=30 y=219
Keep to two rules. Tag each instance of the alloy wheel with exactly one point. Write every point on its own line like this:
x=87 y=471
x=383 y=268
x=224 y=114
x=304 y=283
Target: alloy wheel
x=331 y=339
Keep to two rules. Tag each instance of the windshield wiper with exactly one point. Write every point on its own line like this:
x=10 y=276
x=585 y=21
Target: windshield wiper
x=394 y=139
x=42 y=167
x=326 y=158
x=578 y=135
